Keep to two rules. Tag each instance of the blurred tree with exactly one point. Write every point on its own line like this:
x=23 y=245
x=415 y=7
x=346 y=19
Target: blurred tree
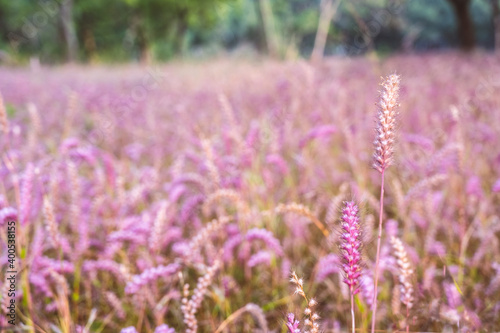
x=68 y=28
x=328 y=9
x=101 y=34
x=496 y=23
x=121 y=30
x=168 y=21
x=466 y=33
x=269 y=27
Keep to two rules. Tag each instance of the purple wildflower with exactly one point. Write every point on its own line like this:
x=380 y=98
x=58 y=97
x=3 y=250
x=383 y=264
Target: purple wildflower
x=351 y=244
x=261 y=257
x=69 y=144
x=176 y=192
x=7 y=214
x=86 y=154
x=286 y=267
x=267 y=237
x=452 y=295
x=292 y=324
x=391 y=228
x=51 y=307
x=420 y=140
x=80 y=329
x=59 y=266
x=164 y=329
x=230 y=245
x=367 y=288
x=496 y=186
x=326 y=266
x=174 y=234
x=189 y=207
x=279 y=162
x=134 y=151
x=26 y=194
x=41 y=285
x=149 y=276
x=473 y=187
x=105 y=265
x=321 y=132
x=116 y=304
x=126 y=235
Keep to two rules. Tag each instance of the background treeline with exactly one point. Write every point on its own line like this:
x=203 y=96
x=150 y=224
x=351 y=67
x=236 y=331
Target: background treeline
x=123 y=30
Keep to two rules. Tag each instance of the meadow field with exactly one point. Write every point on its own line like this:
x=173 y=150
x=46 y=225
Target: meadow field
x=182 y=197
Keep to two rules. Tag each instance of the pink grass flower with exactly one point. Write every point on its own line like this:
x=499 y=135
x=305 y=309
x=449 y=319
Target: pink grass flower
x=386 y=123
x=351 y=245
x=292 y=324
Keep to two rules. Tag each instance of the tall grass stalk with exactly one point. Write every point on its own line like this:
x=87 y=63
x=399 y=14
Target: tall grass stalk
x=383 y=157
x=351 y=251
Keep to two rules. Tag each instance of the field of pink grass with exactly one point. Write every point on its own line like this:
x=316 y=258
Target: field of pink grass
x=181 y=197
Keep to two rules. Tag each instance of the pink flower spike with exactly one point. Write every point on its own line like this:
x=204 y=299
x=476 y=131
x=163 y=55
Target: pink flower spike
x=351 y=245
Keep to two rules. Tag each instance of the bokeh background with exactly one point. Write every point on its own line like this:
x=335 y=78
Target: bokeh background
x=145 y=30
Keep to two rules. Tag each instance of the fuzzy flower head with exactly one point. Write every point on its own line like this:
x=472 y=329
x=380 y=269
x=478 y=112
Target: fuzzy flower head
x=405 y=272
x=386 y=123
x=292 y=324
x=351 y=245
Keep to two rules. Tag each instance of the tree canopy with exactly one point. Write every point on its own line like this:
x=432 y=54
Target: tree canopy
x=123 y=30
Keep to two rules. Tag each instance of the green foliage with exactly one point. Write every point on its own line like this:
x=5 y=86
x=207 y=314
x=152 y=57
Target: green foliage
x=433 y=21
x=121 y=30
